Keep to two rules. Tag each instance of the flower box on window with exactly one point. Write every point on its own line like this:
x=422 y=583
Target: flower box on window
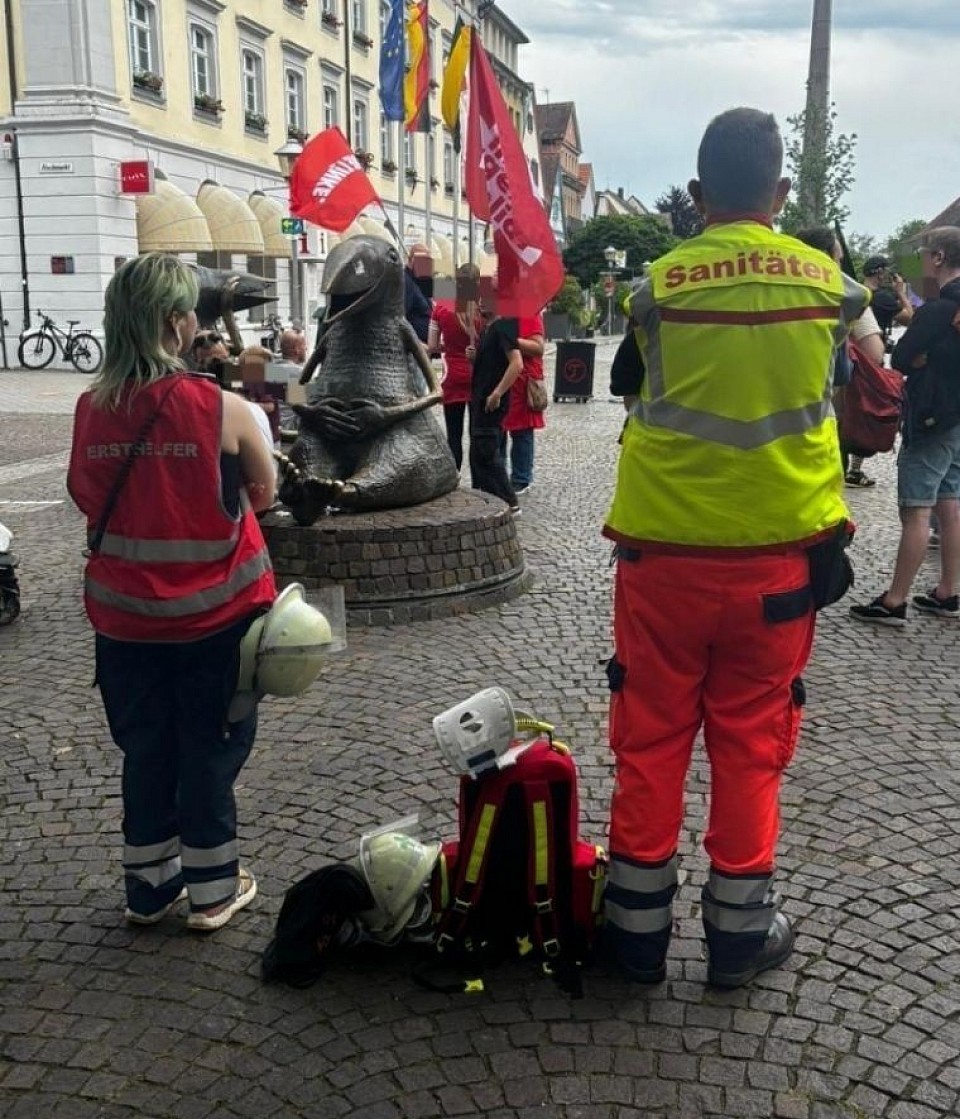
x=388 y=166
x=434 y=84
x=299 y=134
x=256 y=122
x=145 y=79
x=411 y=176
x=448 y=188
x=434 y=184
x=298 y=5
x=365 y=159
x=329 y=19
x=207 y=103
x=361 y=38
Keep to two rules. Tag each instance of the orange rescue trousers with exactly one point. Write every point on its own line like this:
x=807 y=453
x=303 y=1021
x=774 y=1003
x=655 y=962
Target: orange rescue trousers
x=718 y=643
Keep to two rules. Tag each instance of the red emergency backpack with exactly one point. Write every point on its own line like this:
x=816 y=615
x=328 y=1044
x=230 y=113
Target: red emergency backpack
x=518 y=880
x=872 y=406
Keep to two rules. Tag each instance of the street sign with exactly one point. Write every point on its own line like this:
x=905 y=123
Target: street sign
x=292 y=227
x=136 y=176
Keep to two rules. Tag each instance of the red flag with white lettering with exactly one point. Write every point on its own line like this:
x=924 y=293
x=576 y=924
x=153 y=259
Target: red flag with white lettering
x=499 y=190
x=328 y=186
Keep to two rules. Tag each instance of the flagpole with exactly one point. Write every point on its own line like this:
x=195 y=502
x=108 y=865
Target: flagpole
x=401 y=178
x=428 y=183
x=456 y=217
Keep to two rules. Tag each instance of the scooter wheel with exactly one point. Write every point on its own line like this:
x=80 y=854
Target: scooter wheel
x=9 y=609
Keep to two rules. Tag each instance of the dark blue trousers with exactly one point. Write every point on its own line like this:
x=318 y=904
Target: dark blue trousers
x=167 y=709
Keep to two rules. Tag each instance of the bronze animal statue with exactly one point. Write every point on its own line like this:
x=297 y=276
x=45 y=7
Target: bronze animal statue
x=368 y=437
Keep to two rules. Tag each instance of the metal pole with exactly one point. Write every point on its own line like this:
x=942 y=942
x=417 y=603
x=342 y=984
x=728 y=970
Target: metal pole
x=295 y=312
x=428 y=183
x=456 y=215
x=401 y=179
x=348 y=131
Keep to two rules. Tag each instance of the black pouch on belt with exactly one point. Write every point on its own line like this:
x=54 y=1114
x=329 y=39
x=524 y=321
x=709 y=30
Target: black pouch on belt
x=831 y=572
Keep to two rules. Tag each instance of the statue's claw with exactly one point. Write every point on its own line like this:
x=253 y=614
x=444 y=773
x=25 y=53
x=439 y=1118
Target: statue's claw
x=307 y=498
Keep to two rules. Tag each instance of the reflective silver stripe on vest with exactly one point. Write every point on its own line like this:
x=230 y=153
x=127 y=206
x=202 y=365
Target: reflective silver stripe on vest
x=202 y=858
x=637 y=920
x=745 y=435
x=168 y=551
x=642 y=879
x=242 y=577
x=727 y=890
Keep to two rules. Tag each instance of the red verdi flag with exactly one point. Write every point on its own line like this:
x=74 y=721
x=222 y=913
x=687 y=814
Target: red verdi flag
x=328 y=186
x=499 y=190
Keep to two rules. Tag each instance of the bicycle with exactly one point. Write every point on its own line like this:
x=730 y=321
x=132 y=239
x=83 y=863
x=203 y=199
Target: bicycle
x=39 y=347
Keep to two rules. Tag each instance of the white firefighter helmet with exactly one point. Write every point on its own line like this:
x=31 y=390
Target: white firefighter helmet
x=282 y=651
x=397 y=868
x=485 y=732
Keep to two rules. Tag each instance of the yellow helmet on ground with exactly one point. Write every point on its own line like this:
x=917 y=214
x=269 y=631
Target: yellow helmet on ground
x=397 y=868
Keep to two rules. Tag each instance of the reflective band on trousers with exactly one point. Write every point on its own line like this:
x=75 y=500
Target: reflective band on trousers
x=637 y=920
x=155 y=863
x=242 y=577
x=745 y=435
x=728 y=889
x=201 y=858
x=642 y=879
x=167 y=551
x=757 y=919
x=205 y=894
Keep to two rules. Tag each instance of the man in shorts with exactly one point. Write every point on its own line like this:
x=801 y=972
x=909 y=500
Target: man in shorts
x=928 y=469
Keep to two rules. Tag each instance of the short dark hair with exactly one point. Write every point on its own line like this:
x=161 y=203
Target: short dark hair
x=739 y=161
x=819 y=237
x=944 y=239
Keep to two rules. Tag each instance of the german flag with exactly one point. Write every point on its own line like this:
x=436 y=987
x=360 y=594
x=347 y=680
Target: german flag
x=454 y=79
x=416 y=84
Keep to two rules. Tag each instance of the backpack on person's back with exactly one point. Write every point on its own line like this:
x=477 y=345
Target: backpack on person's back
x=872 y=406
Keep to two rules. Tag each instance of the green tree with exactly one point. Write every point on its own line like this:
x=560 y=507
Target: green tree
x=822 y=175
x=643 y=237
x=569 y=300
x=684 y=215
x=860 y=246
x=897 y=246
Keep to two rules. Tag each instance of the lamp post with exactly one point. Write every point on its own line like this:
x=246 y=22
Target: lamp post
x=287 y=156
x=610 y=254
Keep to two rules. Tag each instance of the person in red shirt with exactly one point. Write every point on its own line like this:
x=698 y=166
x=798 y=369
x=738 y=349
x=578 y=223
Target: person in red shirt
x=521 y=422
x=454 y=330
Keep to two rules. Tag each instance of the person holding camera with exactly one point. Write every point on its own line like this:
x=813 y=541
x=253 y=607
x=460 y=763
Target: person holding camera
x=890 y=301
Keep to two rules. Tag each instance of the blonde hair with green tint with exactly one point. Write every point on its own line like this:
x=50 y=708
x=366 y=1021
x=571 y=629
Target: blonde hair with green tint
x=139 y=300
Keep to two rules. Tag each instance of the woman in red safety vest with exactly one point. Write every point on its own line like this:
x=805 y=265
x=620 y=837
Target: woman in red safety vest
x=170 y=472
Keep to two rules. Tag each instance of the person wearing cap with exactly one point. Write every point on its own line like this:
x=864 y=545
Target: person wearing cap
x=891 y=302
x=928 y=467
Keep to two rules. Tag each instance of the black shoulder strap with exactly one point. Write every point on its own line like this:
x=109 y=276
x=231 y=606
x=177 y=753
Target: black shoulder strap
x=95 y=539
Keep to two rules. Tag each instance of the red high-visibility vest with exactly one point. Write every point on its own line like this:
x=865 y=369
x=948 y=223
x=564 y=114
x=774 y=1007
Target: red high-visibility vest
x=173 y=564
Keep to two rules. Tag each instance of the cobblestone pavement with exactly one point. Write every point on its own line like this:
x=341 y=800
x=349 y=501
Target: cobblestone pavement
x=103 y=1022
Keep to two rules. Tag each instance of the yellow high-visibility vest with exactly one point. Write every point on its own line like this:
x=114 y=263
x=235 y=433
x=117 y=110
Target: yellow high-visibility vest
x=733 y=440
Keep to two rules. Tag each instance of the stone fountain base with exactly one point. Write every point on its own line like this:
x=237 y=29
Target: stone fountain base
x=454 y=555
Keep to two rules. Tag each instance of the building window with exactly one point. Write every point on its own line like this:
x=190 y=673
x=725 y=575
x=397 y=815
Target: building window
x=359 y=15
x=328 y=8
x=409 y=152
x=331 y=108
x=295 y=101
x=384 y=18
x=252 y=84
x=142 y=26
x=386 y=141
x=203 y=61
x=361 y=131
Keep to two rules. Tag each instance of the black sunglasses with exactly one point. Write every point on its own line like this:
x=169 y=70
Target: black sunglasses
x=206 y=340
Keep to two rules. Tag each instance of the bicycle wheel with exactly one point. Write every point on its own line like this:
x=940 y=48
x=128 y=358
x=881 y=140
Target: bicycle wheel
x=36 y=350
x=86 y=353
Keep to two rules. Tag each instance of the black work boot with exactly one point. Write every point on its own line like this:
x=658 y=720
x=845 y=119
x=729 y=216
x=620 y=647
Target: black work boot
x=639 y=917
x=741 y=962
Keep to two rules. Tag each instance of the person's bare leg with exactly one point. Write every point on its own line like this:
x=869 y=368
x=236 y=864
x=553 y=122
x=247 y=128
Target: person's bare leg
x=948 y=518
x=914 y=537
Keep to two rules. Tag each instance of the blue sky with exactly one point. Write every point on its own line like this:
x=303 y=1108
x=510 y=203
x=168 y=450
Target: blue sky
x=647 y=77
